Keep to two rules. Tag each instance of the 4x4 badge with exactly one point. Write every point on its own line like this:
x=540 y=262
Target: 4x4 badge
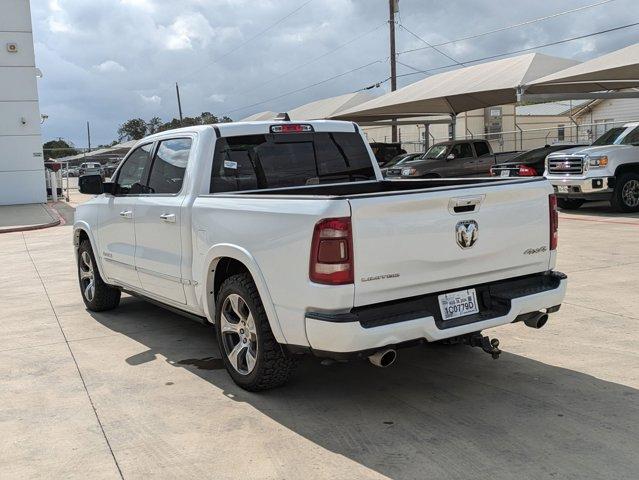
x=466 y=232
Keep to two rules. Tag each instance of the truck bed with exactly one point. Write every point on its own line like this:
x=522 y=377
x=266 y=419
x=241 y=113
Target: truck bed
x=347 y=190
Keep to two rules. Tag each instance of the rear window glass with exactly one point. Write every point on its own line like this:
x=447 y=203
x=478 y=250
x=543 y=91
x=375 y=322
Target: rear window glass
x=289 y=160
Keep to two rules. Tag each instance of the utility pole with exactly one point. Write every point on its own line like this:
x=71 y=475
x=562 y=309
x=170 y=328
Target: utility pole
x=393 y=7
x=89 y=135
x=177 y=91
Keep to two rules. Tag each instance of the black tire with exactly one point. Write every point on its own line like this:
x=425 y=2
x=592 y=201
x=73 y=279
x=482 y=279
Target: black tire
x=625 y=198
x=105 y=297
x=570 y=203
x=272 y=365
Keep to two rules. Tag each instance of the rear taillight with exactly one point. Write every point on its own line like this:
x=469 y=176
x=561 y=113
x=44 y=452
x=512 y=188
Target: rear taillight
x=332 y=252
x=525 y=171
x=492 y=172
x=554 y=221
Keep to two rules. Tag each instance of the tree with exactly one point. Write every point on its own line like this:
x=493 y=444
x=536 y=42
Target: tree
x=137 y=128
x=58 y=149
x=133 y=129
x=154 y=125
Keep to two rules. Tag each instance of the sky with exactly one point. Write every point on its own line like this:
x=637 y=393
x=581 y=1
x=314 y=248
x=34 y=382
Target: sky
x=106 y=61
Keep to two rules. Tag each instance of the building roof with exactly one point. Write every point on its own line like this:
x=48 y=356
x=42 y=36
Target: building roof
x=119 y=150
x=468 y=88
x=549 y=109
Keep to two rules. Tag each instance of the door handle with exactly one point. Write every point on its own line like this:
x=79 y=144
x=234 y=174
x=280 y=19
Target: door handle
x=126 y=214
x=168 y=217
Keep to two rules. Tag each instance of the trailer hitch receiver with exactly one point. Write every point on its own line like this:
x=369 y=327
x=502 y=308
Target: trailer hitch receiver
x=488 y=345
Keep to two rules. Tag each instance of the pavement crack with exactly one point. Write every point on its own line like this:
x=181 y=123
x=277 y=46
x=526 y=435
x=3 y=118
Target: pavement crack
x=66 y=341
x=600 y=310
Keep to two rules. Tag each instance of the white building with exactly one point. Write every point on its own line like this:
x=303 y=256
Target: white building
x=596 y=117
x=21 y=161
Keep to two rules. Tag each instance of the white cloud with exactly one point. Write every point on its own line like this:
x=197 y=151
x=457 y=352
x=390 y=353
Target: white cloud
x=142 y=4
x=217 y=98
x=152 y=100
x=54 y=6
x=187 y=29
x=59 y=26
x=109 y=66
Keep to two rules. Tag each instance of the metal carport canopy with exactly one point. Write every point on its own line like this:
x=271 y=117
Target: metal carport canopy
x=614 y=71
x=468 y=88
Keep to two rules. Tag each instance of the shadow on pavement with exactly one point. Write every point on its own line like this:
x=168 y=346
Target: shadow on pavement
x=600 y=209
x=439 y=412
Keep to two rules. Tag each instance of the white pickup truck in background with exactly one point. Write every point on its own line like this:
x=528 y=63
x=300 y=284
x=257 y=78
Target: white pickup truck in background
x=608 y=169
x=288 y=239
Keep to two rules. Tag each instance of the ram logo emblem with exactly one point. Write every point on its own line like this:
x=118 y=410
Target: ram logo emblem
x=466 y=232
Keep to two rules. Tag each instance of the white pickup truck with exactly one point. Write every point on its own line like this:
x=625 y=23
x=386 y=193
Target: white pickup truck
x=287 y=238
x=608 y=169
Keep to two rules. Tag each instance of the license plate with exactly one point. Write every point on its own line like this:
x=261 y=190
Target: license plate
x=458 y=304
x=505 y=173
x=562 y=188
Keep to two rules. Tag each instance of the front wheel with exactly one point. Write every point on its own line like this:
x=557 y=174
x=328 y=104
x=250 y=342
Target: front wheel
x=569 y=203
x=625 y=198
x=97 y=295
x=249 y=350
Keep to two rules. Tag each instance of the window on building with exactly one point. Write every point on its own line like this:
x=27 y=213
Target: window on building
x=561 y=133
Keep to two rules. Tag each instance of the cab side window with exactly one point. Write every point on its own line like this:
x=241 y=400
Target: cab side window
x=169 y=166
x=133 y=173
x=462 y=150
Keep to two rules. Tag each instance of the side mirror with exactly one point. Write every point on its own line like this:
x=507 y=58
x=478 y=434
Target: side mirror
x=451 y=156
x=93 y=185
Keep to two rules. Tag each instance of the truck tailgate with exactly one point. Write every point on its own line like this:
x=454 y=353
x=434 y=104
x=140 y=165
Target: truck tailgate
x=406 y=244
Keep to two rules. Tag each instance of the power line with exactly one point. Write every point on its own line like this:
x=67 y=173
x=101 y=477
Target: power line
x=247 y=41
x=434 y=47
x=294 y=69
x=550 y=44
x=509 y=27
x=302 y=88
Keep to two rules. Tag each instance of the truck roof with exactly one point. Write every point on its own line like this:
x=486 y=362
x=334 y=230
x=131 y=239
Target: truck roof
x=255 y=128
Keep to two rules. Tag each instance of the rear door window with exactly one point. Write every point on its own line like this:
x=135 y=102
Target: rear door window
x=289 y=160
x=481 y=149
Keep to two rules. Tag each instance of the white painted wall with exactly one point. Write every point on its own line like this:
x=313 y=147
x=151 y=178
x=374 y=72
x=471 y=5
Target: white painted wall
x=21 y=161
x=610 y=113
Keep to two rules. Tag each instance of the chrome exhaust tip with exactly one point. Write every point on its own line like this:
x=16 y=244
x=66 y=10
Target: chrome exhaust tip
x=383 y=358
x=537 y=321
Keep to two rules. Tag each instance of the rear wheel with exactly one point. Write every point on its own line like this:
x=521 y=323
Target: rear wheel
x=249 y=350
x=626 y=195
x=97 y=295
x=570 y=203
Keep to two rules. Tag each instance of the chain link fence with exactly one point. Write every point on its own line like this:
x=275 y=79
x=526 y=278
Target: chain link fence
x=522 y=138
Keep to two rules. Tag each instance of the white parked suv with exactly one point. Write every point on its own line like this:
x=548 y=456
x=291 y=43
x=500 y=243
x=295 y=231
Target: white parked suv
x=287 y=238
x=608 y=169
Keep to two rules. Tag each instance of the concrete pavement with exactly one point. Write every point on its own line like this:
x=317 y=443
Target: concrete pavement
x=27 y=217
x=139 y=392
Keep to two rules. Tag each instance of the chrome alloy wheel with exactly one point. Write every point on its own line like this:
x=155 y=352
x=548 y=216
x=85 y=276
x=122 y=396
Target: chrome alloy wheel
x=87 y=276
x=630 y=193
x=239 y=335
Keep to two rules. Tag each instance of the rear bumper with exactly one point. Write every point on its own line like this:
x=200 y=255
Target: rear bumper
x=583 y=187
x=418 y=318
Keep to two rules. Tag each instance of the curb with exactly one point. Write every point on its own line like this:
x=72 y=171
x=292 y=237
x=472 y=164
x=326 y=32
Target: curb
x=57 y=220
